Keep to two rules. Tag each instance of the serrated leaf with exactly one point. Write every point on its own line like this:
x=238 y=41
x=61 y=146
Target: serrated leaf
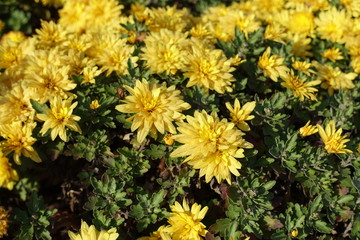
x=137 y=212
x=345 y=199
x=315 y=205
x=158 y=198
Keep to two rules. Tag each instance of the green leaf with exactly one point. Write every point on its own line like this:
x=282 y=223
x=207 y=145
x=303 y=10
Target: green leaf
x=137 y=212
x=269 y=185
x=315 y=205
x=345 y=199
x=322 y=227
x=37 y=106
x=158 y=197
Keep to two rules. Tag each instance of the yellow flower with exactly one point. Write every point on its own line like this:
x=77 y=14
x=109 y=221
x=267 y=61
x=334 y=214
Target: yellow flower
x=275 y=32
x=210 y=69
x=90 y=233
x=15 y=36
x=358 y=148
x=8 y=175
x=300 y=88
x=17 y=139
x=334 y=142
x=155 y=108
x=164 y=51
x=294 y=233
x=334 y=78
x=89 y=74
x=211 y=146
x=58 y=117
x=352 y=6
x=50 y=34
x=94 y=104
x=162 y=233
x=272 y=66
x=307 y=130
x=332 y=54
x=4 y=222
x=302 y=66
x=185 y=222
x=301 y=47
x=332 y=24
x=168 y=139
x=241 y=114
x=237 y=60
x=51 y=81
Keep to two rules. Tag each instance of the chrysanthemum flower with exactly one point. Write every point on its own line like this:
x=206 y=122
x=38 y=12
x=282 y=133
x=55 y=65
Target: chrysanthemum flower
x=275 y=32
x=272 y=66
x=155 y=108
x=302 y=66
x=240 y=114
x=17 y=139
x=332 y=24
x=307 y=130
x=301 y=47
x=8 y=175
x=211 y=145
x=334 y=142
x=51 y=81
x=185 y=222
x=15 y=105
x=333 y=54
x=210 y=69
x=58 y=117
x=90 y=233
x=299 y=87
x=334 y=78
x=352 y=6
x=163 y=233
x=164 y=51
x=4 y=222
x=50 y=34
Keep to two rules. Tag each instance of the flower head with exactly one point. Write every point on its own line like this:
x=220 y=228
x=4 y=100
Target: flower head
x=300 y=88
x=334 y=142
x=4 y=222
x=272 y=66
x=185 y=222
x=307 y=130
x=210 y=69
x=87 y=233
x=211 y=145
x=155 y=108
x=333 y=54
x=18 y=139
x=58 y=117
x=8 y=175
x=241 y=114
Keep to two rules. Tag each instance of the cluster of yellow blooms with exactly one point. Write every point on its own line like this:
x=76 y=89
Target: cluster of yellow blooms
x=185 y=224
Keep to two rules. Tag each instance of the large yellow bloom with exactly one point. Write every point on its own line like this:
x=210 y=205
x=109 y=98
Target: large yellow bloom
x=210 y=69
x=90 y=233
x=211 y=146
x=272 y=66
x=8 y=175
x=185 y=222
x=58 y=117
x=334 y=142
x=18 y=139
x=155 y=108
x=164 y=51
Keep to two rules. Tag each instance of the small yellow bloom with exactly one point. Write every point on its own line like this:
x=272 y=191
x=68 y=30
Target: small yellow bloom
x=334 y=142
x=332 y=54
x=302 y=66
x=307 y=130
x=241 y=114
x=58 y=117
x=168 y=139
x=8 y=175
x=358 y=148
x=237 y=60
x=272 y=66
x=4 y=222
x=94 y=104
x=87 y=233
x=294 y=233
x=185 y=222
